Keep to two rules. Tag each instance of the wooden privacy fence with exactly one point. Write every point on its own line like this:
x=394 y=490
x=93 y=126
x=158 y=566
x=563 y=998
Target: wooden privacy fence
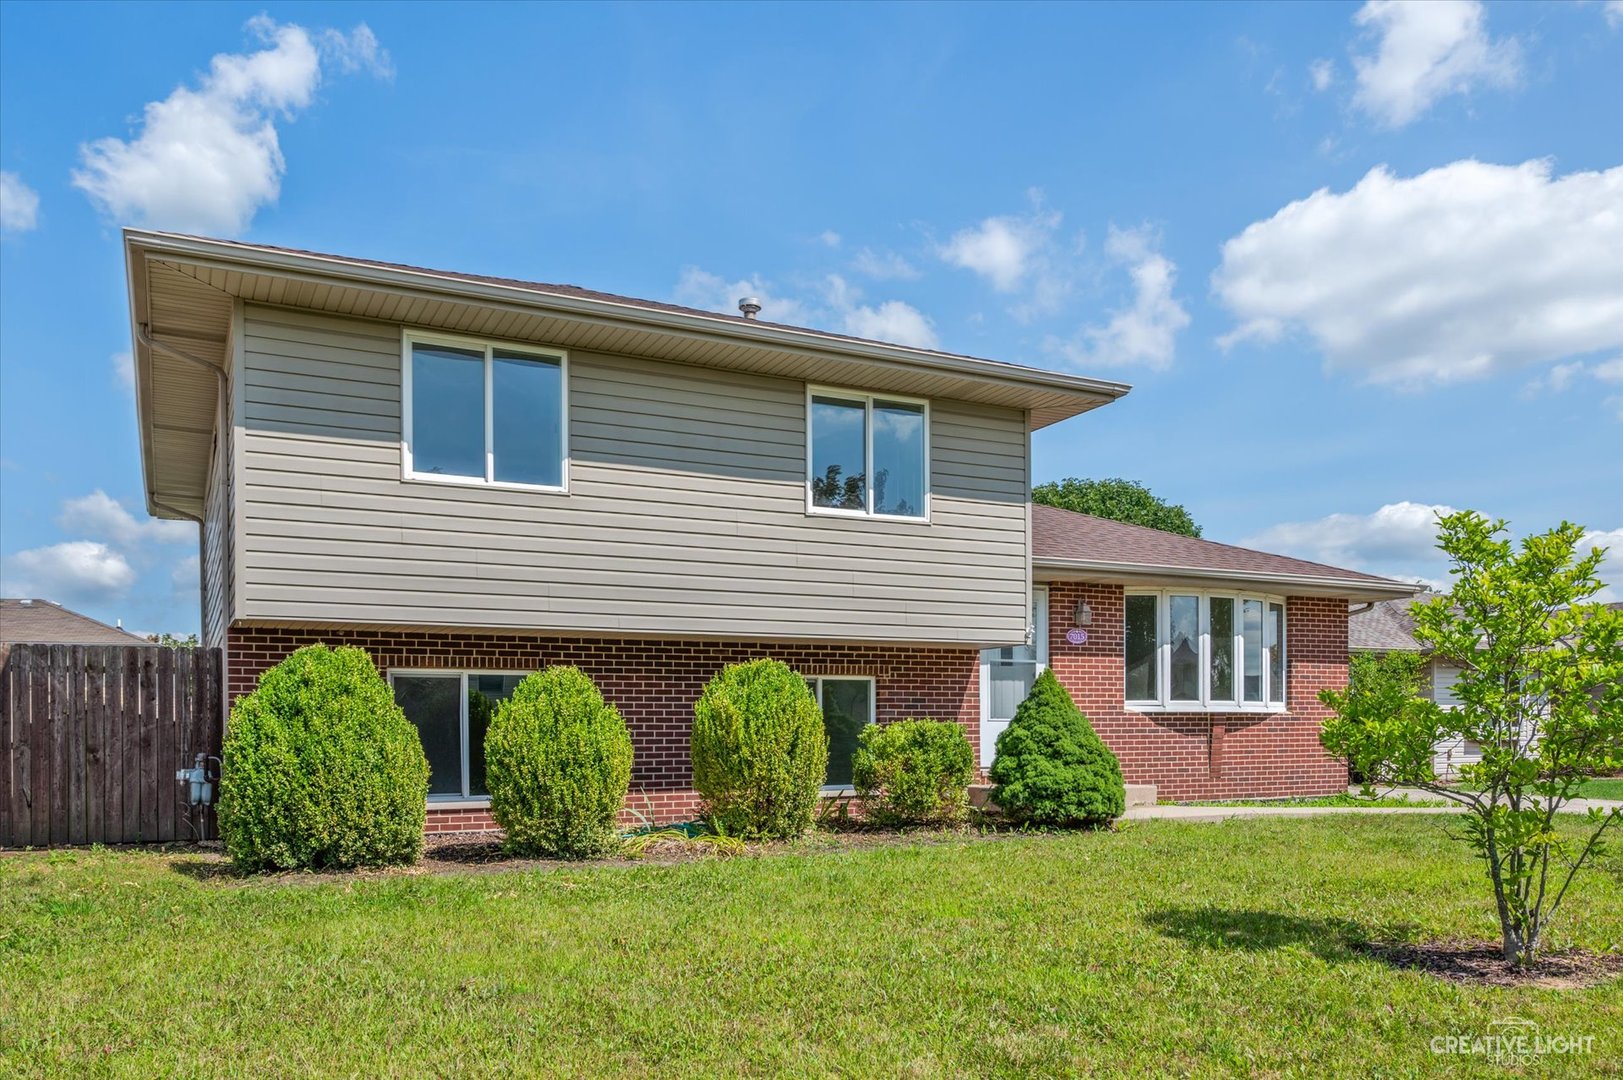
x=91 y=736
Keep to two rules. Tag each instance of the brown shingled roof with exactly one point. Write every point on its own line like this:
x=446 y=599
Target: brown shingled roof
x=1065 y=539
x=42 y=622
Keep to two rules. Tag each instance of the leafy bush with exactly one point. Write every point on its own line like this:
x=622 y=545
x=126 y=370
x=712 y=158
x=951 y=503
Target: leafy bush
x=321 y=769
x=1051 y=766
x=557 y=763
x=913 y=772
x=759 y=750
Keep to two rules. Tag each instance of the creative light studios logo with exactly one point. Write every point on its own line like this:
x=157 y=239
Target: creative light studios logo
x=1512 y=1041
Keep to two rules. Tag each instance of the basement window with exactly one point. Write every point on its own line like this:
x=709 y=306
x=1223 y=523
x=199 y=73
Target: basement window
x=452 y=711
x=848 y=707
x=1190 y=651
x=867 y=456
x=481 y=413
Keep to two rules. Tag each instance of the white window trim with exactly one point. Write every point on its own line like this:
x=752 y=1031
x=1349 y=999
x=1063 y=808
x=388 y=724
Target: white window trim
x=464 y=800
x=873 y=715
x=868 y=470
x=408 y=337
x=1163 y=636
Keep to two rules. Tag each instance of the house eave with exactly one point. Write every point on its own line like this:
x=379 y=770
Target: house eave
x=1103 y=572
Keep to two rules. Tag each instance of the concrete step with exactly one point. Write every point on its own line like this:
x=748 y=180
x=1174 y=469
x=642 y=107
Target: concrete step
x=1140 y=794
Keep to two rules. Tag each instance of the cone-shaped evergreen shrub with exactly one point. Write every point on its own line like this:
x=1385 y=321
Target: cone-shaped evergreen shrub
x=914 y=772
x=759 y=750
x=558 y=763
x=321 y=769
x=1051 y=766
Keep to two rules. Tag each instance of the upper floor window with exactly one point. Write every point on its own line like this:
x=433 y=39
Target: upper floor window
x=1199 y=651
x=480 y=413
x=867 y=454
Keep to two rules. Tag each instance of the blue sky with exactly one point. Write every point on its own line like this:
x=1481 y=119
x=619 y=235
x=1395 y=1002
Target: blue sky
x=1359 y=262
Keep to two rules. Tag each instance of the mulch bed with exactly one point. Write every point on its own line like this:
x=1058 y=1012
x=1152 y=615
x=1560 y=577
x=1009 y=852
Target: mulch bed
x=1481 y=963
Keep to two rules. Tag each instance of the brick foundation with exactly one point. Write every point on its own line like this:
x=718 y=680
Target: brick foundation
x=1208 y=755
x=653 y=683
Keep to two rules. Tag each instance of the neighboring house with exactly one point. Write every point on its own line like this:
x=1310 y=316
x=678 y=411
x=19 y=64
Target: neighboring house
x=44 y=622
x=474 y=478
x=1388 y=626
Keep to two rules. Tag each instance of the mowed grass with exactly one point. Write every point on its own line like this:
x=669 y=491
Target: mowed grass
x=1166 y=948
x=1608 y=788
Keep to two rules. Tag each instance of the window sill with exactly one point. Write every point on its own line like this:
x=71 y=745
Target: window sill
x=457 y=802
x=863 y=515
x=474 y=482
x=1195 y=707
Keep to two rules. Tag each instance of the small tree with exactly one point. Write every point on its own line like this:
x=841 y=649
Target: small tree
x=1118 y=500
x=1540 y=691
x=1380 y=686
x=1051 y=766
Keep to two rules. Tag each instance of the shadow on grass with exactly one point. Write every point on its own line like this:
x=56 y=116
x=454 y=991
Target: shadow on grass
x=1254 y=930
x=203 y=868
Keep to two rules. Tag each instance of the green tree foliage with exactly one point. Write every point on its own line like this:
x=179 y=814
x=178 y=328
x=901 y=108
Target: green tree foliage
x=1118 y=500
x=1380 y=687
x=913 y=772
x=321 y=769
x=558 y=764
x=1051 y=766
x=1540 y=691
x=759 y=750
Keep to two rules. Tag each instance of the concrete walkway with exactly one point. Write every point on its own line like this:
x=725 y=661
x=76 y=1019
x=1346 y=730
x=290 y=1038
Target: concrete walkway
x=1223 y=813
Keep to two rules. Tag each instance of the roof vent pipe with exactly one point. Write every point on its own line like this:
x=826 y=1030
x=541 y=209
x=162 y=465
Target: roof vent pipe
x=750 y=306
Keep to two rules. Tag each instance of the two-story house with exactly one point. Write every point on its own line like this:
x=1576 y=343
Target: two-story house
x=474 y=478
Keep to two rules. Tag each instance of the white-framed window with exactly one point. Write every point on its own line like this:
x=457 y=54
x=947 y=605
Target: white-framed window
x=1193 y=651
x=452 y=712
x=867 y=455
x=483 y=412
x=847 y=702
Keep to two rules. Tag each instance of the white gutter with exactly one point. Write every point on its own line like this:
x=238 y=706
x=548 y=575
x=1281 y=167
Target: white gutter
x=226 y=255
x=1350 y=587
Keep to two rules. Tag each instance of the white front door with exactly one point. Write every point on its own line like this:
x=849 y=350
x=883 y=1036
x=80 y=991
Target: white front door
x=1007 y=675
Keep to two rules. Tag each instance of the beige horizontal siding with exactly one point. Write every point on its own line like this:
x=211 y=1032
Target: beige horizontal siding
x=685 y=513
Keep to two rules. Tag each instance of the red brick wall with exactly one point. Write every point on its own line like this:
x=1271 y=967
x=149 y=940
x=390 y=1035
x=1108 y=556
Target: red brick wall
x=1201 y=755
x=653 y=683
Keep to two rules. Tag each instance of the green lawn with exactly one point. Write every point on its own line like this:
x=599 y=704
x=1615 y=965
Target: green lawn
x=1165 y=948
x=1342 y=800
x=1611 y=788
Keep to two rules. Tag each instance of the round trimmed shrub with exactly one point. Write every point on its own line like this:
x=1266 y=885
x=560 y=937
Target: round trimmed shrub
x=1051 y=767
x=915 y=772
x=557 y=763
x=321 y=769
x=759 y=750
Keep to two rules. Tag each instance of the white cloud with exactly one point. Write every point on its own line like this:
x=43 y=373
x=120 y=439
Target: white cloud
x=102 y=517
x=1425 y=50
x=1146 y=332
x=830 y=238
x=1015 y=253
x=123 y=365
x=883 y=266
x=838 y=308
x=79 y=572
x=185 y=575
x=1323 y=73
x=1614 y=13
x=207 y=158
x=1561 y=377
x=1398 y=540
x=1611 y=566
x=701 y=289
x=19 y=204
x=1464 y=270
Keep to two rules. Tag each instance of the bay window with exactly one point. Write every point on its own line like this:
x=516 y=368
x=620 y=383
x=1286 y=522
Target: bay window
x=1202 y=651
x=867 y=455
x=480 y=413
